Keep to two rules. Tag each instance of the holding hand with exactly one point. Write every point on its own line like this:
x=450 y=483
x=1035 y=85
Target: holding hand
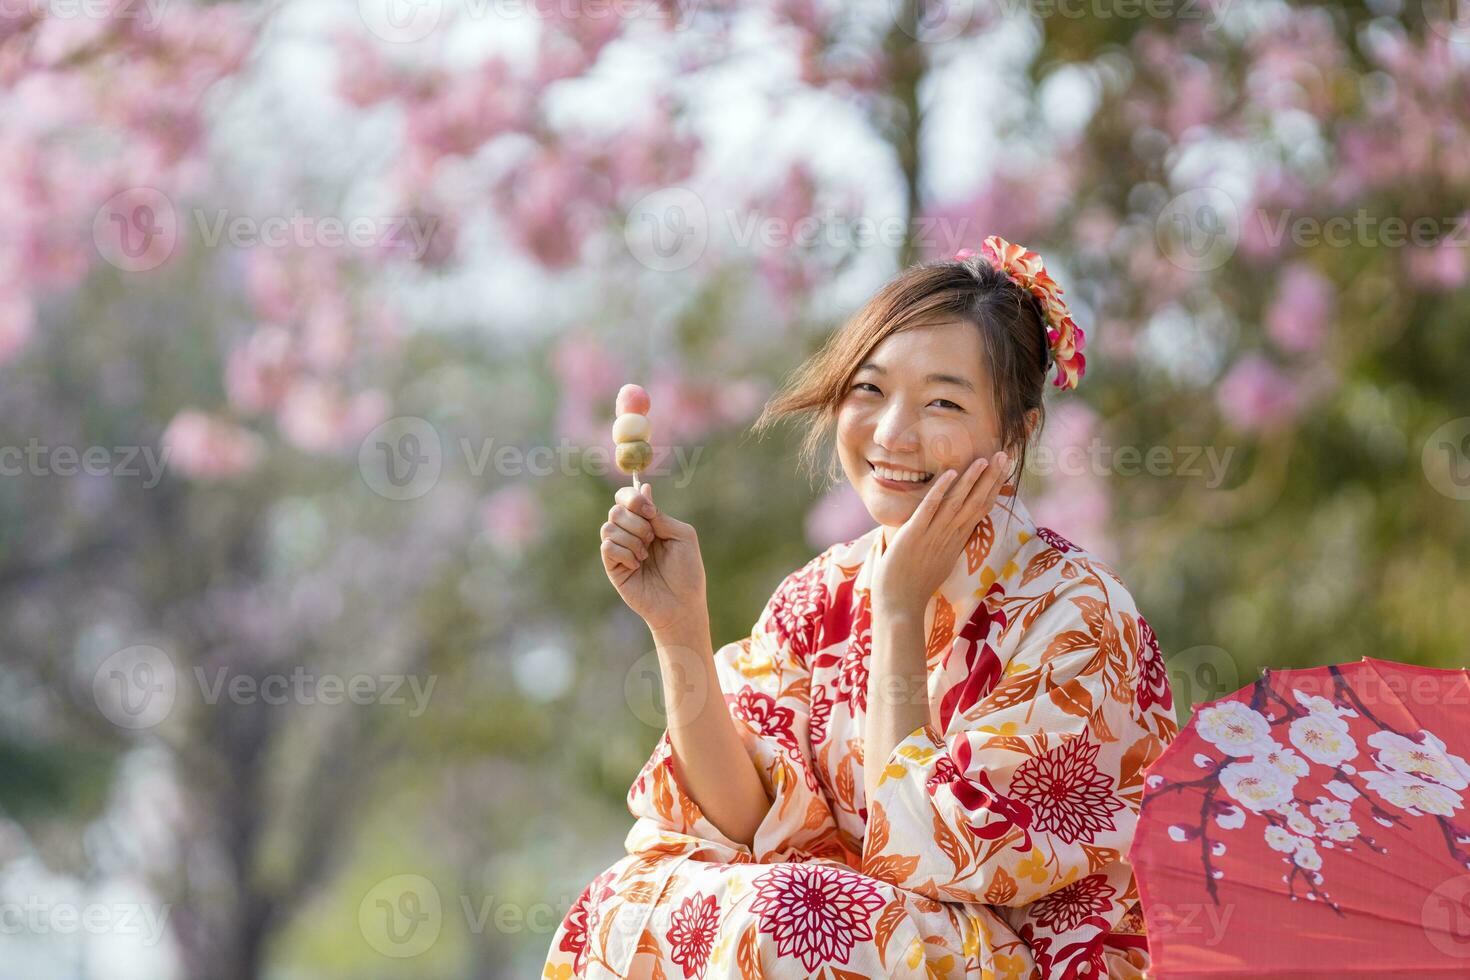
x=653 y=561
x=923 y=552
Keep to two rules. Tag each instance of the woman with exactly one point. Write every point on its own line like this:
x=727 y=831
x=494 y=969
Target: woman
x=926 y=760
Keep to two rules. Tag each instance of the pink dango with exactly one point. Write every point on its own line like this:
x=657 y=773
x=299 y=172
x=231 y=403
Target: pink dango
x=632 y=400
x=632 y=432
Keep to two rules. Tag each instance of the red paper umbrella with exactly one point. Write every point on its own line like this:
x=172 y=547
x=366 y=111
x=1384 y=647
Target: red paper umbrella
x=1313 y=824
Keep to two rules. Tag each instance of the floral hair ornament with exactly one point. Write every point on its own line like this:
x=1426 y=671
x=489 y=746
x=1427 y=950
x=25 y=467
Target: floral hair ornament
x=1024 y=267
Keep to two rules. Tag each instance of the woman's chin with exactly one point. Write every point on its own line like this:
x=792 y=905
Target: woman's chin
x=889 y=513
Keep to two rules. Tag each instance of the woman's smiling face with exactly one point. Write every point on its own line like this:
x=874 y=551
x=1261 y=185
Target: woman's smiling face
x=919 y=404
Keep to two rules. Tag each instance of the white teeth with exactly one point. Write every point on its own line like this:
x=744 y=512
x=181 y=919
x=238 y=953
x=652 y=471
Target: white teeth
x=901 y=476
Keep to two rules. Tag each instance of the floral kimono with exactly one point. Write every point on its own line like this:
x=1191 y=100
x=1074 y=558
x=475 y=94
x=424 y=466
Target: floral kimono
x=995 y=843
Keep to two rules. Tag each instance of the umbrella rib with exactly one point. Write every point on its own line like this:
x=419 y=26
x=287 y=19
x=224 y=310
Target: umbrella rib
x=1257 y=886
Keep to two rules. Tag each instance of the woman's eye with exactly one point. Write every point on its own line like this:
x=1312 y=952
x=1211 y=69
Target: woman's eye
x=869 y=386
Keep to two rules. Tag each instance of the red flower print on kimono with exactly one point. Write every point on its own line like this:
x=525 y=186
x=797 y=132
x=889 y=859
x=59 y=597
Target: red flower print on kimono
x=768 y=718
x=1075 y=961
x=1067 y=794
x=982 y=666
x=816 y=912
x=1153 y=676
x=944 y=774
x=852 y=678
x=796 y=608
x=579 y=926
x=821 y=713
x=692 y=933
x=1056 y=540
x=1069 y=906
x=979 y=795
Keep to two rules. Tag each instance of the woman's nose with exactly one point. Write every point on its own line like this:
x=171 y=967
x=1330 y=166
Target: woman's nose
x=897 y=429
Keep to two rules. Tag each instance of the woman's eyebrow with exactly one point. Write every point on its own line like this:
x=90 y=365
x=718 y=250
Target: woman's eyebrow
x=949 y=379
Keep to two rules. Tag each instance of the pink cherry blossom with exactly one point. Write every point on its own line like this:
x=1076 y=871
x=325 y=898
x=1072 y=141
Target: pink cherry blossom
x=1442 y=267
x=318 y=417
x=512 y=517
x=16 y=321
x=203 y=447
x=1298 y=316
x=1256 y=396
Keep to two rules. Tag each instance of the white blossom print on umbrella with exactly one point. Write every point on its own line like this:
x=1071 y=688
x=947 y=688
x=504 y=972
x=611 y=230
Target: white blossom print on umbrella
x=1318 y=774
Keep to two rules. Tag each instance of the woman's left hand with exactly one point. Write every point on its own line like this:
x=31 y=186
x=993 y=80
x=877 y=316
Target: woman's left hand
x=923 y=552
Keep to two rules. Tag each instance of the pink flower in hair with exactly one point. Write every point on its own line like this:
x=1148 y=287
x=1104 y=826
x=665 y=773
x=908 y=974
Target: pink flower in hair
x=1025 y=268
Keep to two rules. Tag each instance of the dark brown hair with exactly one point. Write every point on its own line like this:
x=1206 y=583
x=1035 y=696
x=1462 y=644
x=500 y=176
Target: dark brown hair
x=1008 y=317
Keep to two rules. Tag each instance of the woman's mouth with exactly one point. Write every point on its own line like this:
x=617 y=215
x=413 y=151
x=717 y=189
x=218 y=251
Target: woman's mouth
x=900 y=480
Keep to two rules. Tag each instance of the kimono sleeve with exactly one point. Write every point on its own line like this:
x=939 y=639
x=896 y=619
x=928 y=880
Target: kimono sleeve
x=1036 y=786
x=767 y=692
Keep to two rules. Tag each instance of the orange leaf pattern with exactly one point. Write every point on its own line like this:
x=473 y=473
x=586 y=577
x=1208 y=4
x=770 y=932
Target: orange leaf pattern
x=996 y=843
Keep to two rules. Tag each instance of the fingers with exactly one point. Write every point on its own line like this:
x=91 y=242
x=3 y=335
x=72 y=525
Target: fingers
x=614 y=553
x=930 y=506
x=635 y=502
x=985 y=489
x=962 y=491
x=639 y=547
x=624 y=515
x=973 y=493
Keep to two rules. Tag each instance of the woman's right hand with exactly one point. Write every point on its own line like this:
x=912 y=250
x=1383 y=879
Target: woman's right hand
x=653 y=561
